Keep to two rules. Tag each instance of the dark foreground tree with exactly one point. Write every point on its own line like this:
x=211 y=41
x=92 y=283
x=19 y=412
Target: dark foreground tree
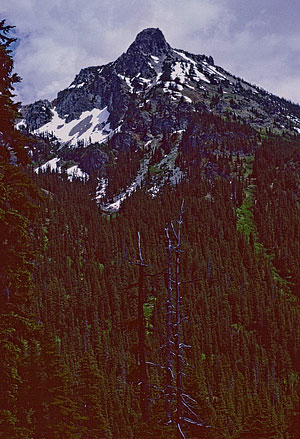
x=17 y=207
x=17 y=192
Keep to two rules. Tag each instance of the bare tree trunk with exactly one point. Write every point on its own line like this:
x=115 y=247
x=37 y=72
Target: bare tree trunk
x=178 y=352
x=178 y=348
x=169 y=360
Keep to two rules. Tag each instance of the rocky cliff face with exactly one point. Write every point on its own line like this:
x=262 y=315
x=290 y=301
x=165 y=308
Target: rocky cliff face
x=149 y=94
x=38 y=114
x=154 y=78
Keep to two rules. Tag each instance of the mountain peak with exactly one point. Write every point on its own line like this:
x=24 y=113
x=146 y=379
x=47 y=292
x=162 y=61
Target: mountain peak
x=150 y=41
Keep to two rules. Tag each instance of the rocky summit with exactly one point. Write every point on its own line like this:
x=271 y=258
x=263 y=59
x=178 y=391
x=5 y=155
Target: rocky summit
x=146 y=104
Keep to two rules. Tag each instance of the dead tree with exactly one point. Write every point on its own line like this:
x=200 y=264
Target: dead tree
x=169 y=343
x=143 y=383
x=178 y=344
x=178 y=402
x=175 y=395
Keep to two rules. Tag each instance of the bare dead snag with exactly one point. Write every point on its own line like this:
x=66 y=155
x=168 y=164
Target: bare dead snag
x=178 y=345
x=169 y=350
x=144 y=385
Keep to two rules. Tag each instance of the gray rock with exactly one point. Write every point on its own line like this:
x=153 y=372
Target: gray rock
x=37 y=114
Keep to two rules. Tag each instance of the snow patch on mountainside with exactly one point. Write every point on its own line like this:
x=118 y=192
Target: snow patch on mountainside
x=183 y=55
x=155 y=59
x=76 y=172
x=180 y=71
x=167 y=172
x=200 y=76
x=20 y=124
x=212 y=69
x=118 y=199
x=128 y=82
x=90 y=127
x=101 y=188
x=53 y=166
x=194 y=71
x=77 y=85
x=294 y=120
x=206 y=67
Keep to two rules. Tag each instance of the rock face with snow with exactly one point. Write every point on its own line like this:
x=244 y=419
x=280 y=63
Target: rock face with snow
x=144 y=89
x=146 y=99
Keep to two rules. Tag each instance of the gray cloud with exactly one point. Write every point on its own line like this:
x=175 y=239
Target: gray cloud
x=257 y=40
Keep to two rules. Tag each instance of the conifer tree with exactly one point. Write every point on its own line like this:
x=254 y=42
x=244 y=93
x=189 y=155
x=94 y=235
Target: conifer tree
x=12 y=142
x=17 y=196
x=16 y=189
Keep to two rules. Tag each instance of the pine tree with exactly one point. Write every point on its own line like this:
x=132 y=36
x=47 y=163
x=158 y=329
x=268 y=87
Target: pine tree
x=12 y=142
x=17 y=192
x=17 y=197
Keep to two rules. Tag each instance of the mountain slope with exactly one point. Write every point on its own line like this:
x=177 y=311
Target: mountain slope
x=148 y=67
x=144 y=102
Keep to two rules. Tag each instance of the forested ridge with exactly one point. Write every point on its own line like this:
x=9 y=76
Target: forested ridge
x=70 y=328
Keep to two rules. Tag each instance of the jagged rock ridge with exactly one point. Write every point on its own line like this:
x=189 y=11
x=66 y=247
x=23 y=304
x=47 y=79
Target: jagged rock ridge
x=149 y=92
x=149 y=65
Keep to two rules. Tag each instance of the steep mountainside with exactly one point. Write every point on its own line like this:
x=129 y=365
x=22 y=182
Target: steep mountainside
x=139 y=106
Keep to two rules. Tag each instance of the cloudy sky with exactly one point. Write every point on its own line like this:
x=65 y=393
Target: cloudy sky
x=258 y=40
